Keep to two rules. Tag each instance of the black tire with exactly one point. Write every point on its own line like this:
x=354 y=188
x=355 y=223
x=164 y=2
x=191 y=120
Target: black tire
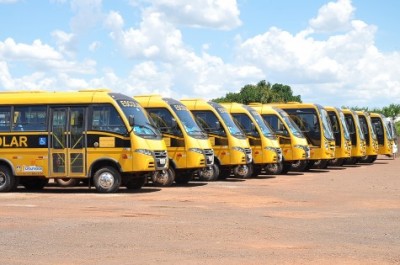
x=209 y=173
x=321 y=164
x=67 y=182
x=274 y=168
x=299 y=166
x=107 y=180
x=8 y=181
x=351 y=161
x=163 y=178
x=286 y=168
x=257 y=171
x=183 y=178
x=34 y=183
x=309 y=165
x=371 y=159
x=135 y=183
x=337 y=162
x=241 y=171
x=367 y=159
x=224 y=173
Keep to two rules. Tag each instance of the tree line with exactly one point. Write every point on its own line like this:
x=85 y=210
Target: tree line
x=265 y=92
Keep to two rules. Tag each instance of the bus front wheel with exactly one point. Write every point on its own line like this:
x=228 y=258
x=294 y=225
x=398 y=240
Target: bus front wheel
x=163 y=178
x=107 y=180
x=274 y=168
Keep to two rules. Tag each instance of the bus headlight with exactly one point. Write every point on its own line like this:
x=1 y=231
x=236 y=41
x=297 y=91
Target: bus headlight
x=240 y=149
x=196 y=150
x=144 y=152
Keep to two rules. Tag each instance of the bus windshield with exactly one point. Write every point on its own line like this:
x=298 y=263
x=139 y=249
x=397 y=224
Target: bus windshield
x=359 y=129
x=265 y=129
x=328 y=132
x=227 y=119
x=372 y=129
x=290 y=123
x=189 y=124
x=143 y=125
x=344 y=125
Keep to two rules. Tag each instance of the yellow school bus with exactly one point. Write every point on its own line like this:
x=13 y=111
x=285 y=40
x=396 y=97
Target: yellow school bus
x=231 y=147
x=94 y=135
x=385 y=139
x=357 y=136
x=370 y=137
x=267 y=154
x=342 y=136
x=313 y=120
x=189 y=149
x=295 y=149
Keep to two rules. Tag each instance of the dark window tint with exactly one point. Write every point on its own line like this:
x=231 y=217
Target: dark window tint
x=5 y=114
x=30 y=118
x=106 y=118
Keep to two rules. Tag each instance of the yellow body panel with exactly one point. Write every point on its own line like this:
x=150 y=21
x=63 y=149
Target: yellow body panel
x=359 y=146
x=294 y=147
x=67 y=145
x=228 y=149
x=370 y=136
x=265 y=149
x=343 y=144
x=184 y=150
x=322 y=147
x=385 y=142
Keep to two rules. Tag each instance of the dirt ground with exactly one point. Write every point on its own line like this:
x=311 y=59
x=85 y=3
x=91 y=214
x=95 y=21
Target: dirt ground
x=343 y=215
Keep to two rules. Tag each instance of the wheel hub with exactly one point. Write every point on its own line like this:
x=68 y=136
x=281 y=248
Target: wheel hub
x=106 y=180
x=161 y=177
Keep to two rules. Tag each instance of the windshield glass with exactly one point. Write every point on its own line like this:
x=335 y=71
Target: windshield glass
x=388 y=132
x=359 y=129
x=328 y=132
x=290 y=123
x=372 y=129
x=344 y=125
x=227 y=119
x=143 y=125
x=188 y=122
x=265 y=129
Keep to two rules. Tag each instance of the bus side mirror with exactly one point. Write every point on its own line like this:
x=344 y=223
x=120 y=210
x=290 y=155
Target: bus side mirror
x=131 y=120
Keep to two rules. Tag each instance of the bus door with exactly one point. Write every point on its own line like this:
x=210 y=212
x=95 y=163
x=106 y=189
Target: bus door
x=68 y=142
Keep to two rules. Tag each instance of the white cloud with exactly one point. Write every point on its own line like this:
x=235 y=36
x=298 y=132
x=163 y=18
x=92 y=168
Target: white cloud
x=219 y=14
x=334 y=16
x=87 y=14
x=347 y=68
x=42 y=57
x=8 y=1
x=66 y=42
x=94 y=46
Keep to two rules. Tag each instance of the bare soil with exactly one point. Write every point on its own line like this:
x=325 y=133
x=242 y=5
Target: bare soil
x=343 y=215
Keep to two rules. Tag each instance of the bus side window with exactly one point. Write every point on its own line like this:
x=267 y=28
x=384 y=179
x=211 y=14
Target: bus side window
x=106 y=118
x=30 y=118
x=5 y=119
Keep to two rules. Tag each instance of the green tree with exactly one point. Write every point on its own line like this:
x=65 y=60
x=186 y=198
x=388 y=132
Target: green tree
x=262 y=92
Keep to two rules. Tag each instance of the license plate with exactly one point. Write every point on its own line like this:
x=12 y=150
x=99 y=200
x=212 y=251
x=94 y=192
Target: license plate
x=162 y=160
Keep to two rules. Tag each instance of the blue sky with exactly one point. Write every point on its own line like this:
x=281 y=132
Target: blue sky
x=337 y=53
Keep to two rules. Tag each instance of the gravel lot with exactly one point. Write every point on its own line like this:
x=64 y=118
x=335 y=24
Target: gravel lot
x=343 y=215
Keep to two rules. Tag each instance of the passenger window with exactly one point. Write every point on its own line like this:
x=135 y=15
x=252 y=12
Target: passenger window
x=30 y=118
x=106 y=118
x=5 y=114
